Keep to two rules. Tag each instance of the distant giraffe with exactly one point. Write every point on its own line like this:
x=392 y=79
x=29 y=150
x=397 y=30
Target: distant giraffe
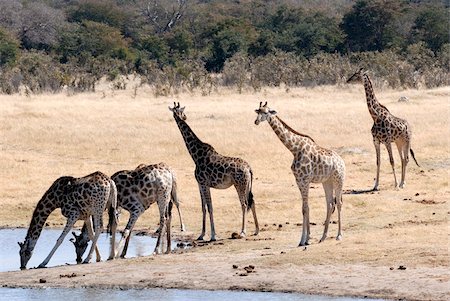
x=213 y=170
x=79 y=199
x=386 y=129
x=312 y=164
x=137 y=189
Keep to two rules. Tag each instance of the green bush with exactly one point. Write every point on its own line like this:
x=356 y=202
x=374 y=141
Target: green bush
x=9 y=48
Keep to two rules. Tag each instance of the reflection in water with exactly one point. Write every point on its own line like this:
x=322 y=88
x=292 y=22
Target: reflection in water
x=9 y=249
x=91 y=294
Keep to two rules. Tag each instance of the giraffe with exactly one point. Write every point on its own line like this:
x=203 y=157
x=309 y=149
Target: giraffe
x=137 y=190
x=213 y=170
x=312 y=164
x=79 y=199
x=386 y=129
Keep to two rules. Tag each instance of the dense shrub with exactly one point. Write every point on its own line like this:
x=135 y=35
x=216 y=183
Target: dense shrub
x=9 y=48
x=180 y=45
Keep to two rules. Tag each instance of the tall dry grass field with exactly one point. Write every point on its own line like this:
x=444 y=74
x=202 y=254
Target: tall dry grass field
x=47 y=136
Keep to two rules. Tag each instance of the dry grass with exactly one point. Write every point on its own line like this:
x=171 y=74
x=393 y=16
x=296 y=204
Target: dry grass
x=44 y=137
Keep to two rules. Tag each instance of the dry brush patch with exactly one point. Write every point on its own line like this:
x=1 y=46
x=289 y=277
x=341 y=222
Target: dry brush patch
x=46 y=136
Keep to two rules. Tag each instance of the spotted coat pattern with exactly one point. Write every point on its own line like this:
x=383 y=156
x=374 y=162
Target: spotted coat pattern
x=386 y=129
x=213 y=170
x=79 y=199
x=138 y=189
x=312 y=164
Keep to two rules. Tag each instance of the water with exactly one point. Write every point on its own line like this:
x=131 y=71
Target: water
x=9 y=249
x=93 y=294
x=139 y=246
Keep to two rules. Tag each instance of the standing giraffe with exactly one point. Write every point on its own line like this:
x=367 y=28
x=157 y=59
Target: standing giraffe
x=386 y=129
x=79 y=199
x=213 y=170
x=312 y=164
x=136 y=190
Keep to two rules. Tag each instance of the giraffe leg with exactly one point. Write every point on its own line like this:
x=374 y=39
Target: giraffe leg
x=403 y=150
x=255 y=219
x=91 y=237
x=328 y=188
x=304 y=190
x=123 y=243
x=97 y=222
x=163 y=204
x=211 y=218
x=338 y=198
x=243 y=196
x=391 y=160
x=177 y=204
x=204 y=194
x=376 y=143
x=70 y=222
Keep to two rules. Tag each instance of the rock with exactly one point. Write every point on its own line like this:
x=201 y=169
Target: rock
x=235 y=266
x=235 y=235
x=42 y=280
x=402 y=267
x=403 y=99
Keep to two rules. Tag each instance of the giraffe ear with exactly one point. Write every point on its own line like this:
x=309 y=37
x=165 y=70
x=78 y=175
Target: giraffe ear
x=171 y=109
x=20 y=244
x=273 y=112
x=257 y=111
x=182 y=109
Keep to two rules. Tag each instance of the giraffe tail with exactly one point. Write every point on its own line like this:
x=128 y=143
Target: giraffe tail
x=113 y=216
x=250 y=200
x=412 y=154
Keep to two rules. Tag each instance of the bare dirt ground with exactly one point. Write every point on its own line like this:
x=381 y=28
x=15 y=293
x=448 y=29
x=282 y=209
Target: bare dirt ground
x=396 y=242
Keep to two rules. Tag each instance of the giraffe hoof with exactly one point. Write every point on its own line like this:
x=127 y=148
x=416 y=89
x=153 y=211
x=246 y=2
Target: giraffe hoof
x=212 y=239
x=200 y=237
x=339 y=237
x=41 y=267
x=303 y=244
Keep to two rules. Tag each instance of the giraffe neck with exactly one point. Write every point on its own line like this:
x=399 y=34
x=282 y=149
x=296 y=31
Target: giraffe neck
x=375 y=108
x=193 y=143
x=293 y=140
x=42 y=211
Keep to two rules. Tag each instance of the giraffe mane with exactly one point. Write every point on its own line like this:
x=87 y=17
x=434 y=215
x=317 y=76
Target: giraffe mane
x=292 y=130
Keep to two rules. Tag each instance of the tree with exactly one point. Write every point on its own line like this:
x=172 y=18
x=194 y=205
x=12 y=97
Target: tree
x=369 y=25
x=40 y=26
x=95 y=39
x=9 y=48
x=155 y=48
x=227 y=38
x=432 y=27
x=106 y=12
x=10 y=15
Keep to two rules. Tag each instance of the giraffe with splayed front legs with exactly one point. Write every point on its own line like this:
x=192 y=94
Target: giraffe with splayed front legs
x=386 y=129
x=136 y=190
x=79 y=199
x=213 y=170
x=312 y=164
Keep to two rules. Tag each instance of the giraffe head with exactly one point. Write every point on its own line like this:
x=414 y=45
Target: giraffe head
x=263 y=113
x=178 y=111
x=81 y=243
x=25 y=253
x=357 y=77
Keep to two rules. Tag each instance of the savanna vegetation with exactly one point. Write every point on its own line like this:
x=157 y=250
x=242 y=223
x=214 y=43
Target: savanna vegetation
x=187 y=45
